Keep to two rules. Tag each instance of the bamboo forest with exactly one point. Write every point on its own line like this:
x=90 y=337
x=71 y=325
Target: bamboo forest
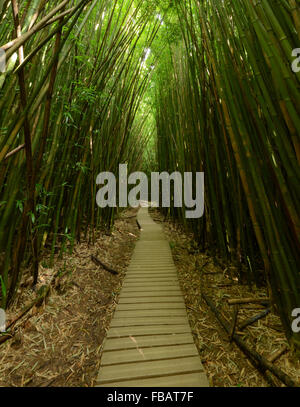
x=97 y=290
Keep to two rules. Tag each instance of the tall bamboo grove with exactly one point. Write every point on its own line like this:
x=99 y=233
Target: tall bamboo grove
x=73 y=82
x=232 y=110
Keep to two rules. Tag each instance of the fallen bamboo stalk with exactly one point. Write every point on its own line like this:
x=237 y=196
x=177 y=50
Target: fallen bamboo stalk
x=251 y=320
x=5 y=338
x=234 y=322
x=249 y=300
x=277 y=354
x=42 y=294
x=261 y=361
x=99 y=263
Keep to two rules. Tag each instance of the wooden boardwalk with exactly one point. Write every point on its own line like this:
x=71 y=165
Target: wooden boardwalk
x=149 y=343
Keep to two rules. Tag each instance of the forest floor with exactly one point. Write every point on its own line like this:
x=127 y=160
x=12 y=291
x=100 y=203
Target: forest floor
x=225 y=364
x=59 y=343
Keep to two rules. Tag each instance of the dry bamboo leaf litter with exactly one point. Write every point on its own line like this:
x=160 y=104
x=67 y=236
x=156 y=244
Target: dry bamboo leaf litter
x=60 y=344
x=225 y=364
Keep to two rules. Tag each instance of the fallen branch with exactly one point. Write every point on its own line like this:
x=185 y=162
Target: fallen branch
x=6 y=337
x=251 y=320
x=99 y=263
x=42 y=294
x=277 y=354
x=234 y=322
x=234 y=301
x=254 y=356
x=138 y=224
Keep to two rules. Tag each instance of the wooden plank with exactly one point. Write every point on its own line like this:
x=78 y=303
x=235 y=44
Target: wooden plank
x=154 y=281
x=152 y=306
x=146 y=247
x=119 y=313
x=145 y=290
x=153 y=236
x=181 y=380
x=143 y=321
x=148 y=369
x=158 y=266
x=155 y=272
x=144 y=263
x=147 y=341
x=150 y=280
x=148 y=330
x=139 y=354
x=161 y=246
x=152 y=271
x=150 y=299
x=144 y=276
x=151 y=288
x=151 y=263
x=151 y=258
x=152 y=293
x=150 y=277
x=164 y=252
x=150 y=245
x=151 y=285
x=152 y=250
x=164 y=255
x=156 y=269
x=152 y=268
x=144 y=286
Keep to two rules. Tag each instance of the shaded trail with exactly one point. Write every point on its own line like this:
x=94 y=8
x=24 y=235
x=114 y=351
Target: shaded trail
x=149 y=342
